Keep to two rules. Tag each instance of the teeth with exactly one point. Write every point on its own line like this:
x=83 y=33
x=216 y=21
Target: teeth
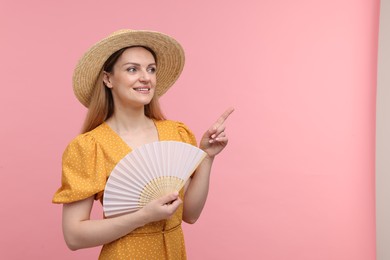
x=142 y=89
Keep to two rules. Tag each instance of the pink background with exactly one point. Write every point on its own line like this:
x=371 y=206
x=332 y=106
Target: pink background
x=297 y=180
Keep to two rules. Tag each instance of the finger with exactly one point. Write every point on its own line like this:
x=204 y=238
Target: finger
x=171 y=208
x=218 y=131
x=175 y=204
x=168 y=198
x=222 y=134
x=221 y=120
x=217 y=137
x=223 y=139
x=225 y=115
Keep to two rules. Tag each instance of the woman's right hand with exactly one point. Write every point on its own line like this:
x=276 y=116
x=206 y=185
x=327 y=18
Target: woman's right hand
x=161 y=208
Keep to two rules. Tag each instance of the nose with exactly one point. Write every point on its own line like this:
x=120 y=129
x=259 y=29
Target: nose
x=145 y=76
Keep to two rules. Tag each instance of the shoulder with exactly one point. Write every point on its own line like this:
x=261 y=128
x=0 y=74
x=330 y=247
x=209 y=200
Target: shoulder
x=84 y=143
x=83 y=170
x=172 y=130
x=174 y=125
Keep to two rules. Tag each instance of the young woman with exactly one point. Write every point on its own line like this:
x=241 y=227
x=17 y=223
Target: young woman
x=120 y=80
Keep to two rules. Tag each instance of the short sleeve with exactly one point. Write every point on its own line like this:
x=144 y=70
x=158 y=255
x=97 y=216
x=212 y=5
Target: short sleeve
x=186 y=134
x=82 y=171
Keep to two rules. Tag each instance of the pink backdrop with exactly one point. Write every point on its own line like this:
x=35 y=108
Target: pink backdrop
x=297 y=181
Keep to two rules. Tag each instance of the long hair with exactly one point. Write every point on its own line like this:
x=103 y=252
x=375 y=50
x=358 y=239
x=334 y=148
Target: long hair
x=101 y=106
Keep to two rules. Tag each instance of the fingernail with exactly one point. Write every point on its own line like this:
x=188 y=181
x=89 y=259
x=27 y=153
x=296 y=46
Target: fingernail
x=211 y=141
x=213 y=136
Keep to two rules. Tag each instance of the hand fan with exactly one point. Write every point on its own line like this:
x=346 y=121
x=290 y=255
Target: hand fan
x=147 y=173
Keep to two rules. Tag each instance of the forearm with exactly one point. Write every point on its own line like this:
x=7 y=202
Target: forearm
x=197 y=191
x=83 y=232
x=90 y=233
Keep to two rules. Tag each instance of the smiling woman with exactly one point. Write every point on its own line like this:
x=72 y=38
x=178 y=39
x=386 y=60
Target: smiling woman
x=120 y=80
x=132 y=79
x=102 y=104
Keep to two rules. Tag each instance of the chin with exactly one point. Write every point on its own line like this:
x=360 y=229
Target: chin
x=144 y=102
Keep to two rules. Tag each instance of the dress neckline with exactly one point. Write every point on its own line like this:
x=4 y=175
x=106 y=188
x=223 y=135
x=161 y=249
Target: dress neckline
x=120 y=139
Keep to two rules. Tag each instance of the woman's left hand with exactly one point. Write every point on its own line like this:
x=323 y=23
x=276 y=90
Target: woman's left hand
x=215 y=139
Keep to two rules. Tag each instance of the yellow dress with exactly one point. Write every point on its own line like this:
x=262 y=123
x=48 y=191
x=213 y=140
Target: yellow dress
x=86 y=164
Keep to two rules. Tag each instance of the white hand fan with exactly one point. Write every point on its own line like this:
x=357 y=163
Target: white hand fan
x=147 y=173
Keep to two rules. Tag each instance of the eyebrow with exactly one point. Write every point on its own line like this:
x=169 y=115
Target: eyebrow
x=137 y=64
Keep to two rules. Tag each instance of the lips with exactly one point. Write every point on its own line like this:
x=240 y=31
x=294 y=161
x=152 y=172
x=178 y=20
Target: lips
x=142 y=89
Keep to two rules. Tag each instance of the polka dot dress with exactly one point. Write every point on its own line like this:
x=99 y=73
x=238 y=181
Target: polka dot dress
x=86 y=164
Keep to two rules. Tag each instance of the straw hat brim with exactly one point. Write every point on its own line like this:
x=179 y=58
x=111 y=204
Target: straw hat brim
x=169 y=55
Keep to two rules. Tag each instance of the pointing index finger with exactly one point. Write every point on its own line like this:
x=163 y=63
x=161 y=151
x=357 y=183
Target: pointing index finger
x=225 y=115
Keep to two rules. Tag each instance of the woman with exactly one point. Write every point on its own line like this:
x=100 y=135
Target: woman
x=120 y=80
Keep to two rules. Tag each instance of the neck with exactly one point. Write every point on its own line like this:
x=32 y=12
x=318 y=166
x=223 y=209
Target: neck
x=128 y=120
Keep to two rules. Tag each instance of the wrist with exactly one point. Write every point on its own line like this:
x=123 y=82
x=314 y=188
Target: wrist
x=143 y=217
x=209 y=158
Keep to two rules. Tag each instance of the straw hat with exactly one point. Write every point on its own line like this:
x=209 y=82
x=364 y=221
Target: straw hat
x=169 y=54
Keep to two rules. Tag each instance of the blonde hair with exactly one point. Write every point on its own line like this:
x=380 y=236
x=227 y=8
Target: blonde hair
x=101 y=105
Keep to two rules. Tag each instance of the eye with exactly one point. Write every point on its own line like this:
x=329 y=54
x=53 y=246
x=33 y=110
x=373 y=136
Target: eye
x=152 y=70
x=131 y=69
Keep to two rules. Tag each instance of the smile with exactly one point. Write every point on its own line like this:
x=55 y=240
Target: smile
x=142 y=89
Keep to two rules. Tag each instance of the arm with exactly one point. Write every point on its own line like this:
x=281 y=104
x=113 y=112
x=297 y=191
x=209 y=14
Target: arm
x=212 y=142
x=197 y=191
x=82 y=232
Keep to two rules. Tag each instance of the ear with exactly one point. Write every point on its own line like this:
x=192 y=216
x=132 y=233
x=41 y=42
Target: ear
x=107 y=79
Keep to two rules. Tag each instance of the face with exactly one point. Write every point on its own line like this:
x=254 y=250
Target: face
x=133 y=78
